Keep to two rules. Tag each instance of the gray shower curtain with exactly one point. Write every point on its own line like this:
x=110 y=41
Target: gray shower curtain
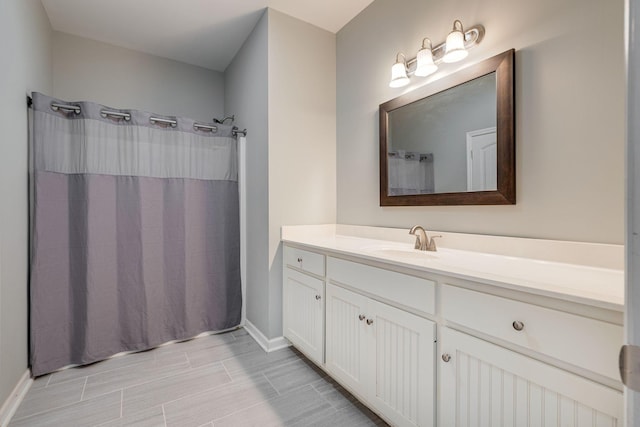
x=135 y=233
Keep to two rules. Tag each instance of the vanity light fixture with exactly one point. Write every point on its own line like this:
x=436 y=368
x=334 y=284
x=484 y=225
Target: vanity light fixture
x=399 y=76
x=454 y=49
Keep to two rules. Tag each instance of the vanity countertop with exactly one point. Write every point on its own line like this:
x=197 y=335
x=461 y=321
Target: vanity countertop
x=583 y=273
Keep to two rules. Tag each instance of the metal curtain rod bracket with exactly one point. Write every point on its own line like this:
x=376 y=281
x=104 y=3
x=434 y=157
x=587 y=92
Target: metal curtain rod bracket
x=29 y=101
x=170 y=122
x=209 y=128
x=235 y=131
x=65 y=107
x=117 y=114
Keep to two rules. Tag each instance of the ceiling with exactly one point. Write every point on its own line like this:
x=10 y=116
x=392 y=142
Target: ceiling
x=207 y=33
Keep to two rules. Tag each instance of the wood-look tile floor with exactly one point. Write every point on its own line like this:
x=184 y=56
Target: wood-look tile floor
x=215 y=380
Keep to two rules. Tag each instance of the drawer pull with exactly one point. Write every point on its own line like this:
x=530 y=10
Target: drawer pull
x=446 y=358
x=299 y=259
x=362 y=317
x=369 y=321
x=318 y=297
x=518 y=325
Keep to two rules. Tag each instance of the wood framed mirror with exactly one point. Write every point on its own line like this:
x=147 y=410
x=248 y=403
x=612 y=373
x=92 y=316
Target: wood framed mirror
x=452 y=142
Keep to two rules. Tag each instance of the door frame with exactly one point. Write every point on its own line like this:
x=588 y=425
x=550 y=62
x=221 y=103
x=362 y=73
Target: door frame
x=632 y=226
x=470 y=135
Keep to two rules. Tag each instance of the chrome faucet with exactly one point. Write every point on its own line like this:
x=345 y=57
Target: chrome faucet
x=423 y=242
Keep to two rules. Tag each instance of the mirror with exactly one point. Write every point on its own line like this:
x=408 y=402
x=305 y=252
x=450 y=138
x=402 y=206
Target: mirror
x=452 y=142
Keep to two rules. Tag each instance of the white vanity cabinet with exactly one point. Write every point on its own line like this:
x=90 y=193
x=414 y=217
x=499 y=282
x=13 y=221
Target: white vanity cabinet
x=303 y=301
x=382 y=353
x=482 y=383
x=428 y=346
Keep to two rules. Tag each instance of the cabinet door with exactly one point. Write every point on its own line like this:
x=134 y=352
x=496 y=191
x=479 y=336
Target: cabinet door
x=483 y=384
x=304 y=313
x=346 y=312
x=400 y=355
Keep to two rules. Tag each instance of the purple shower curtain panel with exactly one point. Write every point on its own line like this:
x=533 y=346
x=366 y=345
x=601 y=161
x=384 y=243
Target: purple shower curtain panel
x=127 y=257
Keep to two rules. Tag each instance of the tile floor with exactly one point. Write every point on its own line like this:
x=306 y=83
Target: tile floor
x=216 y=380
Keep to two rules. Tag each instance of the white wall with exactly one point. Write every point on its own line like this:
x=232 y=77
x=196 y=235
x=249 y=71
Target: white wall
x=87 y=70
x=281 y=87
x=246 y=96
x=26 y=49
x=302 y=135
x=569 y=113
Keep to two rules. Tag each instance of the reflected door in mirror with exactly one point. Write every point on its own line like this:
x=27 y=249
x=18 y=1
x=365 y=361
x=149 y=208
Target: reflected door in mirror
x=482 y=152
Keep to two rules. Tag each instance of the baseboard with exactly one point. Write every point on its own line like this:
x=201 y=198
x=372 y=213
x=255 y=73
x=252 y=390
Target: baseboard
x=10 y=405
x=267 y=344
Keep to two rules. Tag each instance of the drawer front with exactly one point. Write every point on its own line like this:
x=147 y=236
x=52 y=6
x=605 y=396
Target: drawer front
x=408 y=291
x=311 y=262
x=581 y=341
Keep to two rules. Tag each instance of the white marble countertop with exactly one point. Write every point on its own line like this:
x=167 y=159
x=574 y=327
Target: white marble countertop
x=578 y=281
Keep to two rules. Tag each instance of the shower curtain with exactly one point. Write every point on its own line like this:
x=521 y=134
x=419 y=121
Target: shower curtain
x=135 y=232
x=410 y=173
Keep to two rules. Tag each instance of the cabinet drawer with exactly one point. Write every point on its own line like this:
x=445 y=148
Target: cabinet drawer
x=408 y=291
x=311 y=262
x=581 y=341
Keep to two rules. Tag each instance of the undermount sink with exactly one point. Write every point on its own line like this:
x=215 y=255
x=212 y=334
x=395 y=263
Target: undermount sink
x=408 y=254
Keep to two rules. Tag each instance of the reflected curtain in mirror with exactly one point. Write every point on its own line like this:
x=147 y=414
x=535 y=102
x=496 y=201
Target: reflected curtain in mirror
x=410 y=173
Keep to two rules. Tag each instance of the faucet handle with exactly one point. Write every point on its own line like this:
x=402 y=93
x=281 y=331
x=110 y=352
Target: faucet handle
x=418 y=243
x=432 y=244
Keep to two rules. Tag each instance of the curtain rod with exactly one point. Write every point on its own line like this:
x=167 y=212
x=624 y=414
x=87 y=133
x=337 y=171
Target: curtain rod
x=234 y=131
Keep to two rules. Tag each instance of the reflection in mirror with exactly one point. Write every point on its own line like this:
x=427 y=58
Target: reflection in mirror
x=446 y=142
x=451 y=142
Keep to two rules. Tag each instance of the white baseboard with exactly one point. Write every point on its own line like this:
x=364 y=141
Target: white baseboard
x=268 y=345
x=10 y=405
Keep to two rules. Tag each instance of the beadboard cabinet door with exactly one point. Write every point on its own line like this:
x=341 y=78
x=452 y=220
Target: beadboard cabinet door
x=303 y=313
x=401 y=383
x=482 y=384
x=345 y=338
x=384 y=354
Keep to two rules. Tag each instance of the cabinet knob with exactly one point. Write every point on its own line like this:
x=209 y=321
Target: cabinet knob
x=446 y=357
x=361 y=317
x=369 y=321
x=318 y=297
x=299 y=259
x=518 y=325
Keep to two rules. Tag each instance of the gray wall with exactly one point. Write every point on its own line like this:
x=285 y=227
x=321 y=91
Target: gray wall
x=246 y=96
x=26 y=49
x=569 y=105
x=290 y=146
x=302 y=137
x=88 y=70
